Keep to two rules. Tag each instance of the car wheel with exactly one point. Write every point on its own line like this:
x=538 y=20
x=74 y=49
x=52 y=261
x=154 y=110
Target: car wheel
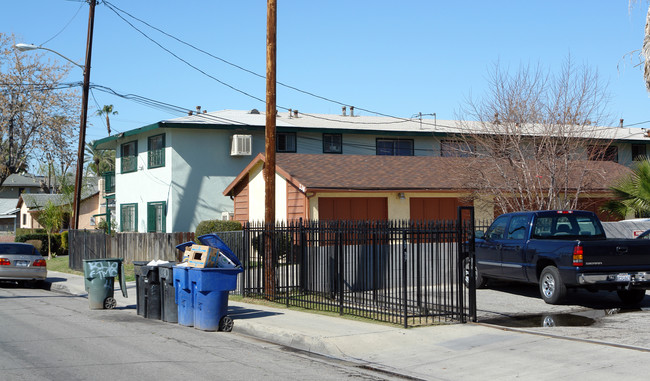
x=481 y=282
x=631 y=297
x=551 y=286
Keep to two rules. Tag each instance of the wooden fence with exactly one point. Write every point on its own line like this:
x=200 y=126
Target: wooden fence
x=93 y=244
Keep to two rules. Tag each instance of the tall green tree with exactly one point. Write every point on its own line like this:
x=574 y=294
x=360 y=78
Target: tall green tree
x=51 y=218
x=38 y=111
x=107 y=110
x=632 y=193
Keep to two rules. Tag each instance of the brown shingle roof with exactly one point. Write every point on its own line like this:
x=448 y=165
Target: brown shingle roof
x=373 y=172
x=370 y=172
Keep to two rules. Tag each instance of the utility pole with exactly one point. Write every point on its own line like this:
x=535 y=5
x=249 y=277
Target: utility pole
x=84 y=117
x=269 y=165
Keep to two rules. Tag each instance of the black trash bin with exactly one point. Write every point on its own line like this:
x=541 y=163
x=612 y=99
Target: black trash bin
x=168 y=306
x=147 y=288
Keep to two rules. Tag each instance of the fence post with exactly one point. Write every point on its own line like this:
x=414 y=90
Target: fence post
x=404 y=278
x=339 y=256
x=246 y=257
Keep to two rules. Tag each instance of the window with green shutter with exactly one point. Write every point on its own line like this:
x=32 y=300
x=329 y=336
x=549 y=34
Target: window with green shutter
x=156 y=212
x=129 y=217
x=156 y=151
x=129 y=156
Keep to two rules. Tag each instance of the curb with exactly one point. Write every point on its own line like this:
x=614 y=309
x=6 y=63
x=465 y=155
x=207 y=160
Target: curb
x=288 y=338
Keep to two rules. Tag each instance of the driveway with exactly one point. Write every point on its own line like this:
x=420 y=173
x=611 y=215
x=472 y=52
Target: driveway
x=599 y=317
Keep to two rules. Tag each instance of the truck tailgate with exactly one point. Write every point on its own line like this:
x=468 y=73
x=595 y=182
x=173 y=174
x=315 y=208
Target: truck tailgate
x=616 y=253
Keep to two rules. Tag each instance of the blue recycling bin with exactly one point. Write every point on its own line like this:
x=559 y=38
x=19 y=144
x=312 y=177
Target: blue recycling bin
x=184 y=295
x=202 y=293
x=210 y=293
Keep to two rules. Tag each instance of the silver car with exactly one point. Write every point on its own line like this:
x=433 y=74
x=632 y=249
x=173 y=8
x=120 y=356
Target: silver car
x=21 y=262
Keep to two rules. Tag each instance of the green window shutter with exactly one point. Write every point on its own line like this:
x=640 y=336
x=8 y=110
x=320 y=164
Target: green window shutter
x=156 y=212
x=151 y=217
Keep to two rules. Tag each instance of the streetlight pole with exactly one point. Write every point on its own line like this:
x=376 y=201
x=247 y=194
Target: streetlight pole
x=84 y=108
x=84 y=117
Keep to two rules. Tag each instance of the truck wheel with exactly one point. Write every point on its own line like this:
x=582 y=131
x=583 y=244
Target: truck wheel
x=631 y=297
x=551 y=286
x=481 y=282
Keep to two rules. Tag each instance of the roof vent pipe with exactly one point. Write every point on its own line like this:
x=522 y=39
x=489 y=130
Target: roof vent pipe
x=351 y=110
x=189 y=112
x=295 y=113
x=344 y=109
x=621 y=123
x=205 y=111
x=198 y=109
x=290 y=112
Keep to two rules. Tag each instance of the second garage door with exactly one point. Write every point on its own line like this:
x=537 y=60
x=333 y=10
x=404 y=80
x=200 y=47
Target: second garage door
x=352 y=208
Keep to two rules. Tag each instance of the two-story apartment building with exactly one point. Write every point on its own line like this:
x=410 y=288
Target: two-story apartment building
x=170 y=175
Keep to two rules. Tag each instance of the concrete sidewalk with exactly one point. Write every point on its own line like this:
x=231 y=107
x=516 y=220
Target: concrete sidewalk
x=448 y=352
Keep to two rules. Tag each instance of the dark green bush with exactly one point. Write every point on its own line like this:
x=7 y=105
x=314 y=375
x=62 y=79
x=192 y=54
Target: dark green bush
x=214 y=226
x=57 y=248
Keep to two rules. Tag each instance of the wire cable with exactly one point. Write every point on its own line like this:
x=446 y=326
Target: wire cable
x=66 y=25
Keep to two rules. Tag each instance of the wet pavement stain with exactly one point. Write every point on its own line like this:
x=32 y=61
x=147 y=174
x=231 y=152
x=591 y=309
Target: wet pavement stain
x=578 y=319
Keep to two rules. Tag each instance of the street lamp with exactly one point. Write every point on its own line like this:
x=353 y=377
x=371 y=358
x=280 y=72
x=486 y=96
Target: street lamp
x=84 y=108
x=27 y=47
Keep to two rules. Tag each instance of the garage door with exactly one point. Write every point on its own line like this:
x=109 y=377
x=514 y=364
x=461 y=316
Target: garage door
x=353 y=208
x=425 y=209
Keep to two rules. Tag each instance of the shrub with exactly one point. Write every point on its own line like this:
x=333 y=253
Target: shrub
x=57 y=247
x=213 y=226
x=64 y=240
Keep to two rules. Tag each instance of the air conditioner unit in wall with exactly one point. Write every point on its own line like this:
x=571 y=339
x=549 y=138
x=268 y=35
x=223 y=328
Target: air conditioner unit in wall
x=241 y=145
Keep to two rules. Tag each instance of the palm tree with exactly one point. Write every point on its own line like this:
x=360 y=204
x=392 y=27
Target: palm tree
x=99 y=161
x=107 y=110
x=632 y=193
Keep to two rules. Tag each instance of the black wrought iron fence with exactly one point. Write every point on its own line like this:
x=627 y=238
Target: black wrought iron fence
x=403 y=272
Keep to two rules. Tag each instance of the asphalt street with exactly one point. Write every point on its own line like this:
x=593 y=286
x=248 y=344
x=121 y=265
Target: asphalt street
x=52 y=336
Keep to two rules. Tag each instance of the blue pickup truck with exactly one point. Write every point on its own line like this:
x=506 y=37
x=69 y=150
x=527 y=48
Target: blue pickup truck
x=559 y=250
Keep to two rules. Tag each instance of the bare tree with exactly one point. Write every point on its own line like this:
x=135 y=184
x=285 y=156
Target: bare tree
x=644 y=53
x=530 y=137
x=37 y=111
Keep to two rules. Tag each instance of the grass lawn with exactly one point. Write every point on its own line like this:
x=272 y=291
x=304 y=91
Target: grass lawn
x=60 y=264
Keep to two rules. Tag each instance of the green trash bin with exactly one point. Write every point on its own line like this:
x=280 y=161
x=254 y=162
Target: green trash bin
x=99 y=279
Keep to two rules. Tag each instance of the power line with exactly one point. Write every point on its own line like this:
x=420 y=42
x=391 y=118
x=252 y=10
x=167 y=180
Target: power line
x=183 y=60
x=66 y=25
x=115 y=9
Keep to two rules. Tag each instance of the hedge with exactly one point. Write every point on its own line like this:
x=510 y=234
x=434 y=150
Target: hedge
x=57 y=247
x=213 y=226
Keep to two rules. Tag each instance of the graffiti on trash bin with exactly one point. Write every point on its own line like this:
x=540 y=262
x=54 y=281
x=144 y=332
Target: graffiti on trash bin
x=102 y=269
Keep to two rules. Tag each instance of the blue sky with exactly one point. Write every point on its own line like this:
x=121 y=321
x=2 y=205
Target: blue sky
x=396 y=58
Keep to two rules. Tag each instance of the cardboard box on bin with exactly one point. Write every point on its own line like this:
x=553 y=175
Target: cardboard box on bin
x=203 y=256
